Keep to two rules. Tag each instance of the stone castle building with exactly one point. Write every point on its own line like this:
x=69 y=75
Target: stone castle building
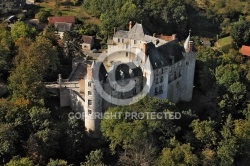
x=164 y=66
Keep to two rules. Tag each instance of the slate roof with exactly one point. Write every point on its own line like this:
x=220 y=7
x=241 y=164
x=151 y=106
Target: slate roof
x=121 y=33
x=102 y=70
x=158 y=49
x=67 y=19
x=125 y=69
x=160 y=56
x=138 y=32
x=62 y=26
x=87 y=39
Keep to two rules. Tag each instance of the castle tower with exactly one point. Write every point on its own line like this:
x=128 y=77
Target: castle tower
x=188 y=70
x=148 y=75
x=93 y=104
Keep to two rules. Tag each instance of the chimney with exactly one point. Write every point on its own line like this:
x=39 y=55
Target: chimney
x=173 y=36
x=131 y=73
x=144 y=53
x=114 y=30
x=121 y=74
x=60 y=80
x=130 y=25
x=153 y=34
x=190 y=46
x=89 y=72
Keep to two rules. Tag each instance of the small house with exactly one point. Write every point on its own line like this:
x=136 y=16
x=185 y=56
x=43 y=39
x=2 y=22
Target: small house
x=62 y=27
x=62 y=24
x=87 y=42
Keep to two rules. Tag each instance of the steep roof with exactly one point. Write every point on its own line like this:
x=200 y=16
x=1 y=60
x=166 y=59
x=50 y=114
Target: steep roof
x=99 y=68
x=126 y=69
x=245 y=50
x=87 y=39
x=138 y=32
x=67 y=19
x=121 y=33
x=160 y=56
x=63 y=26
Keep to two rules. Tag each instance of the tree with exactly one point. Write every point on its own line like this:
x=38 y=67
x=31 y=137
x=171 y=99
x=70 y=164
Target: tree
x=74 y=140
x=20 y=161
x=43 y=56
x=20 y=29
x=5 y=49
x=43 y=145
x=227 y=148
x=180 y=154
x=39 y=118
x=40 y=55
x=43 y=15
x=204 y=131
x=8 y=140
x=25 y=82
x=128 y=11
x=57 y=7
x=58 y=162
x=242 y=134
x=175 y=16
x=143 y=153
x=94 y=158
x=123 y=132
x=17 y=115
x=209 y=157
x=5 y=60
x=226 y=75
x=240 y=33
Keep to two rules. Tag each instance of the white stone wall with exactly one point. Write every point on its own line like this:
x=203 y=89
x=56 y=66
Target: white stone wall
x=188 y=76
x=164 y=83
x=174 y=90
x=76 y=102
x=64 y=97
x=93 y=108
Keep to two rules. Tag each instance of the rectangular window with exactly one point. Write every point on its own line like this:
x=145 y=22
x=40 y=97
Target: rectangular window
x=135 y=41
x=160 y=90
x=134 y=91
x=122 y=40
x=126 y=54
x=89 y=102
x=161 y=79
x=118 y=40
x=156 y=80
x=89 y=112
x=89 y=84
x=89 y=93
x=156 y=90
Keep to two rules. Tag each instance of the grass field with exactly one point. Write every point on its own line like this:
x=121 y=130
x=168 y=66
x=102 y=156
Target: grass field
x=224 y=43
x=71 y=10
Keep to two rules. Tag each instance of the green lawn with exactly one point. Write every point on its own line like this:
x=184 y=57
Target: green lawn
x=224 y=43
x=71 y=10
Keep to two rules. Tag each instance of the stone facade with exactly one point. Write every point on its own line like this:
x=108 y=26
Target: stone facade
x=165 y=67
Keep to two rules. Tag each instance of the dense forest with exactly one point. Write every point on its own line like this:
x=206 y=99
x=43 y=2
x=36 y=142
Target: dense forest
x=214 y=128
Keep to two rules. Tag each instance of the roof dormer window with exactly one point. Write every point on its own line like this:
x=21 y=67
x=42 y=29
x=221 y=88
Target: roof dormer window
x=171 y=59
